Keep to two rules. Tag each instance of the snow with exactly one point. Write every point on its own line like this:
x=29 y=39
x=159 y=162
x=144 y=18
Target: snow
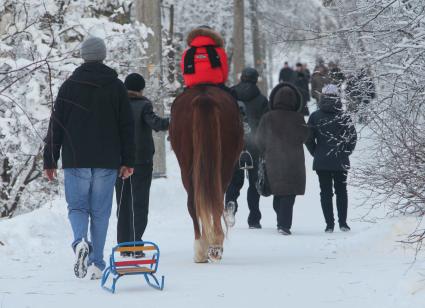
x=364 y=268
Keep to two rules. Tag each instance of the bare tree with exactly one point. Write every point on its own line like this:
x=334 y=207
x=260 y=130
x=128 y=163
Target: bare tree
x=149 y=13
x=258 y=46
x=238 y=38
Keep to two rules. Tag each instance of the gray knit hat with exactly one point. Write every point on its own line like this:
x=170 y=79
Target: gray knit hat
x=93 y=49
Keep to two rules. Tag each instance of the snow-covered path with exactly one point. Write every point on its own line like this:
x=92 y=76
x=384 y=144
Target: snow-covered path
x=365 y=268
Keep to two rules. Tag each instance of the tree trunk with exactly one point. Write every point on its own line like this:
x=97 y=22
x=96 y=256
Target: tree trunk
x=258 y=43
x=149 y=13
x=238 y=38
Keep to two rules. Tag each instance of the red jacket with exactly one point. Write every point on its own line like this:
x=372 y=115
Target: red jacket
x=204 y=72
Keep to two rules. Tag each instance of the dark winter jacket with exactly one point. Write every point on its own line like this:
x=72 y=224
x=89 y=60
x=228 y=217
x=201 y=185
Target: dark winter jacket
x=361 y=88
x=280 y=138
x=256 y=105
x=91 y=121
x=286 y=75
x=145 y=120
x=336 y=76
x=332 y=136
x=301 y=82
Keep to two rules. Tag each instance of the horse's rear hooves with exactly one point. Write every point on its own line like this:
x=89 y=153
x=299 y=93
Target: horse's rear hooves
x=215 y=253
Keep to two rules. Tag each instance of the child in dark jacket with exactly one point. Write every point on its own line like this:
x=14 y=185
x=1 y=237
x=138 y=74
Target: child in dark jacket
x=332 y=140
x=133 y=194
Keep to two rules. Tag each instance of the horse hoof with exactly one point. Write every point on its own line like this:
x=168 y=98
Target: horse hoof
x=215 y=253
x=200 y=261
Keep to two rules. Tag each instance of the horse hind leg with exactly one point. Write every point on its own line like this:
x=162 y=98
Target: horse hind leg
x=201 y=250
x=200 y=246
x=215 y=249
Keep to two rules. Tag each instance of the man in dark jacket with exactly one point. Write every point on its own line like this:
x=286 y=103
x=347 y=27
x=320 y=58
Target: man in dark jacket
x=286 y=74
x=256 y=105
x=332 y=139
x=92 y=125
x=133 y=194
x=360 y=91
x=319 y=79
x=301 y=82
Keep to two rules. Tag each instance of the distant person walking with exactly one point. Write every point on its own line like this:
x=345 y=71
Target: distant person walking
x=319 y=79
x=301 y=81
x=256 y=105
x=331 y=141
x=360 y=92
x=286 y=74
x=92 y=128
x=133 y=194
x=280 y=138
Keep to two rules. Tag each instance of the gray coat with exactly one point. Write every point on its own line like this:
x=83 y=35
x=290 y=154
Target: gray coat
x=280 y=138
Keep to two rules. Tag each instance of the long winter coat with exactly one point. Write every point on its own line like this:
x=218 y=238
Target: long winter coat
x=280 y=137
x=200 y=69
x=145 y=120
x=256 y=105
x=332 y=136
x=91 y=121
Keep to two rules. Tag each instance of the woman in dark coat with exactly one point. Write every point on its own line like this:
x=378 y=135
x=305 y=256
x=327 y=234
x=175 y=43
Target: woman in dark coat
x=280 y=138
x=331 y=141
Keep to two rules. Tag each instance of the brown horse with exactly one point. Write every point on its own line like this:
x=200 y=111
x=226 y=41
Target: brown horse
x=207 y=136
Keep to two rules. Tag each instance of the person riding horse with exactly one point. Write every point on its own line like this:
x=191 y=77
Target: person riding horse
x=206 y=135
x=204 y=62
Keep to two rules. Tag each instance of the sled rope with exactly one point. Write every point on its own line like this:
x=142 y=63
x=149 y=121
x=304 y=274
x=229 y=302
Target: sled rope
x=132 y=206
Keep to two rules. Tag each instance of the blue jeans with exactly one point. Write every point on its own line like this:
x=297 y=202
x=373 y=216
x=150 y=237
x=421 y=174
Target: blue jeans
x=89 y=194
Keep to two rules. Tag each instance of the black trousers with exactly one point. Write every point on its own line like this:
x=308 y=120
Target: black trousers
x=233 y=191
x=284 y=208
x=337 y=179
x=141 y=184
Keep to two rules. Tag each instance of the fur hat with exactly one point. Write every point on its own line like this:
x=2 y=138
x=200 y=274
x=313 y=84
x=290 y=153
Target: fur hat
x=205 y=31
x=286 y=94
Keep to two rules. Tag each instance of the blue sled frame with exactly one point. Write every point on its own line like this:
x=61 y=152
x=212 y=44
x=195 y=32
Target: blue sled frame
x=150 y=277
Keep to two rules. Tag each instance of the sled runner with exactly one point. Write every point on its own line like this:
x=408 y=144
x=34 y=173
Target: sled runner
x=146 y=264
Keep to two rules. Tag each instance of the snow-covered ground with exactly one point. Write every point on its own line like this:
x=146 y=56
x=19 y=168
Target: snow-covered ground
x=365 y=268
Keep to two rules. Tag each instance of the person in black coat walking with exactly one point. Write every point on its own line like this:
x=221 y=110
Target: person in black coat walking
x=256 y=105
x=133 y=194
x=92 y=127
x=331 y=141
x=286 y=74
x=301 y=81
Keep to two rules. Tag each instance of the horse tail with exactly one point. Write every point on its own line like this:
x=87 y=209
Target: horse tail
x=207 y=167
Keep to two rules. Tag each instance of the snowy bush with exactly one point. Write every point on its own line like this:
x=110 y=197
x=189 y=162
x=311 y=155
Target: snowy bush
x=388 y=38
x=39 y=49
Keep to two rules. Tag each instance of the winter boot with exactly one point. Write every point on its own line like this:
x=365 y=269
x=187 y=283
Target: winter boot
x=139 y=254
x=81 y=254
x=229 y=214
x=284 y=231
x=344 y=227
x=94 y=272
x=255 y=226
x=126 y=254
x=329 y=229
